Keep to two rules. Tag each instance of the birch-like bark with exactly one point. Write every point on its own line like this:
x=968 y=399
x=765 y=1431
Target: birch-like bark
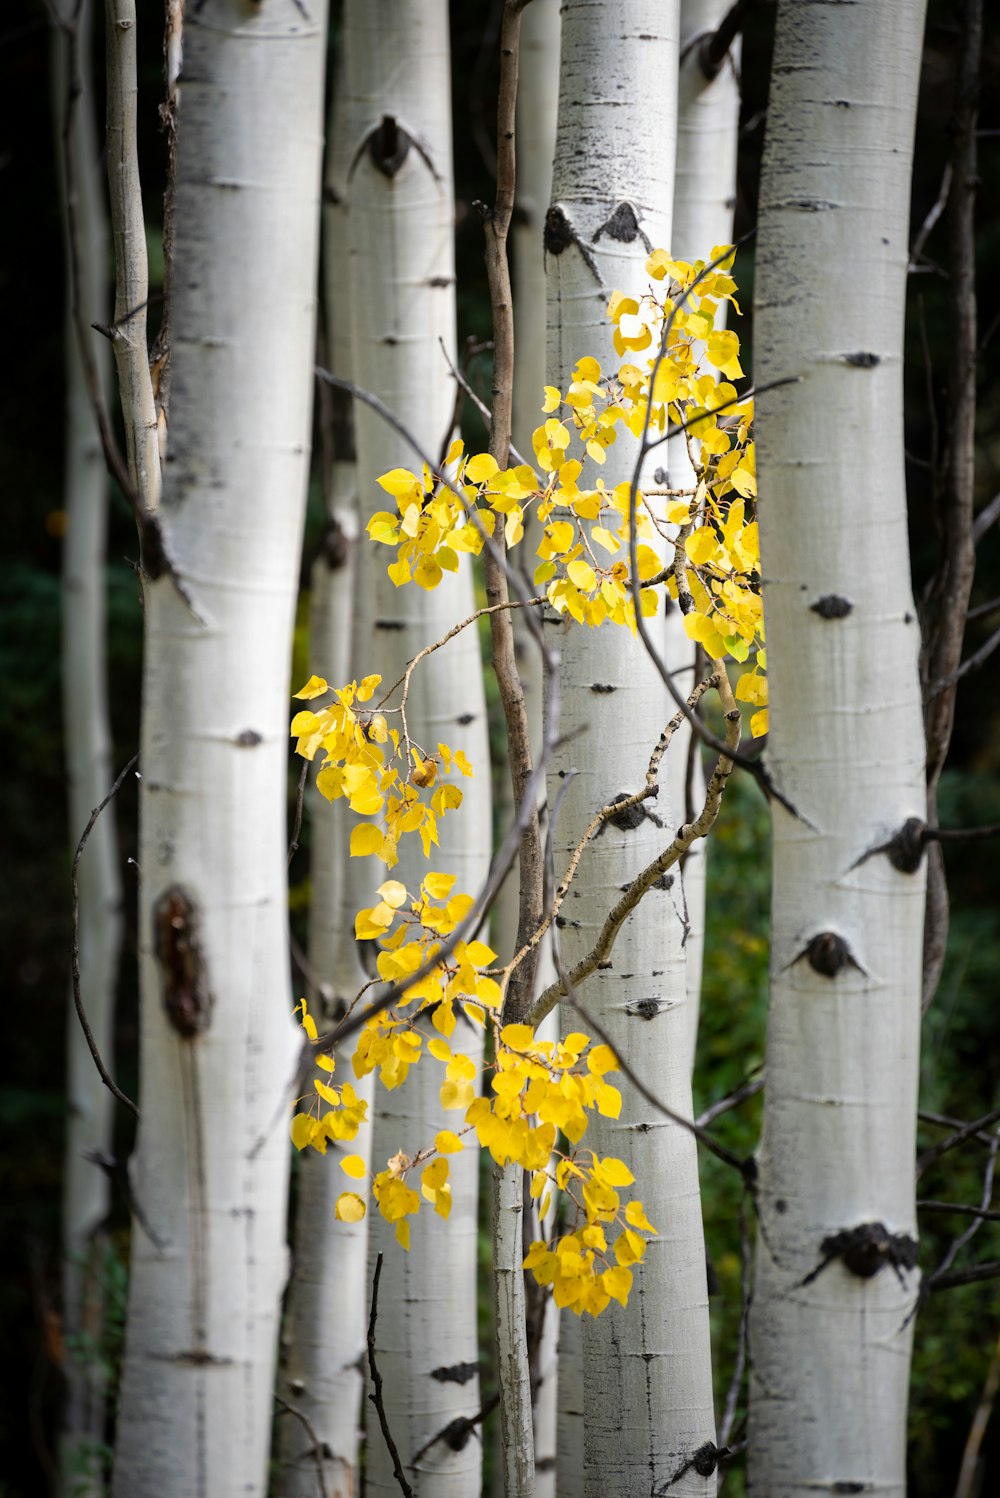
x=708 y=112
x=831 y=1345
x=647 y=1370
x=537 y=96
x=324 y=1340
x=400 y=208
x=86 y=1195
x=128 y=331
x=218 y=1048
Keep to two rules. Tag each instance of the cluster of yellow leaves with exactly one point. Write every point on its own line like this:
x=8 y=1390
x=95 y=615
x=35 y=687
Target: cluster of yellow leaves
x=363 y=761
x=346 y=1111
x=675 y=372
x=541 y=1090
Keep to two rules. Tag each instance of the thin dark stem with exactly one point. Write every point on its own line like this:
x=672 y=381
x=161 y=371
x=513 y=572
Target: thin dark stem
x=960 y=1209
x=739 y=1365
x=376 y=1395
x=714 y=48
x=317 y=1444
x=989 y=1269
x=88 y=1034
x=293 y=846
x=732 y=1100
x=953 y=1140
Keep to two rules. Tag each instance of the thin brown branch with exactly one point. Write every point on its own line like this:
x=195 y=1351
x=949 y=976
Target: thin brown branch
x=624 y=907
x=317 y=1444
x=966 y=1131
x=376 y=1395
x=946 y=602
x=739 y=1363
x=731 y=1100
x=960 y=1209
x=933 y=214
x=496 y=224
x=81 y=1013
x=714 y=48
x=300 y=796
x=967 y=1485
x=957 y=1244
x=117 y=466
x=989 y=1269
x=945 y=1121
x=615 y=808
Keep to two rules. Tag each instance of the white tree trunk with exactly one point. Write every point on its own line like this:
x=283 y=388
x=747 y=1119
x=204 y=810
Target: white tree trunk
x=217 y=1044
x=87 y=731
x=324 y=1350
x=400 y=213
x=647 y=1370
x=708 y=112
x=830 y=1346
x=537 y=97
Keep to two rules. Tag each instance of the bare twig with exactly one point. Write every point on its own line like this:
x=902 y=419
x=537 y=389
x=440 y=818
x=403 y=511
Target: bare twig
x=946 y=602
x=959 y=1209
x=989 y=1269
x=376 y=1395
x=479 y=404
x=713 y=49
x=633 y=894
x=986 y=518
x=88 y=1034
x=732 y=1100
x=956 y=1246
x=496 y=223
x=945 y=1121
x=933 y=214
x=966 y=1131
x=739 y=1364
x=966 y=1486
x=293 y=846
x=311 y=1432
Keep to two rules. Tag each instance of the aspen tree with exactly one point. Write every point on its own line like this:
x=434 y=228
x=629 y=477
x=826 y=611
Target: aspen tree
x=400 y=216
x=836 y=1281
x=209 y=1175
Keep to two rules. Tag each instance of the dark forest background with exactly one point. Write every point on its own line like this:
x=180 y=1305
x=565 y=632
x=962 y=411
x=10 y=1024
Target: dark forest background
x=957 y=1333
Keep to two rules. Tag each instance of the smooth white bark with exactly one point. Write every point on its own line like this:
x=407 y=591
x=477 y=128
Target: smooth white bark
x=831 y=1357
x=86 y=1190
x=708 y=113
x=402 y=289
x=537 y=97
x=324 y=1352
x=647 y=1370
x=209 y=1176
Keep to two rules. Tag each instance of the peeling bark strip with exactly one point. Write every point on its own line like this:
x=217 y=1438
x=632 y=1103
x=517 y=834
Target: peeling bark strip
x=186 y=995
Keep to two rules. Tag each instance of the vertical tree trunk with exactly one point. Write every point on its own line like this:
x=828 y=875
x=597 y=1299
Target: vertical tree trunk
x=537 y=96
x=90 y=774
x=708 y=112
x=217 y=1045
x=324 y=1350
x=647 y=1370
x=400 y=212
x=831 y=1344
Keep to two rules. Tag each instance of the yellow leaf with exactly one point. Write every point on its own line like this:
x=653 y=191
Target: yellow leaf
x=702 y=547
x=354 y=1166
x=393 y=893
x=439 y=886
x=447 y=1143
x=365 y=839
x=427 y=573
x=581 y=574
x=758 y=723
x=314 y=687
x=301 y=1130
x=616 y=1172
x=480 y=468
x=601 y=1059
x=636 y=1217
x=456 y=450
x=399 y=481
x=308 y=1023
x=618 y=1283
x=350 y=1207
x=326 y=1092
x=479 y=954
x=517 y=1037
x=403 y=1235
